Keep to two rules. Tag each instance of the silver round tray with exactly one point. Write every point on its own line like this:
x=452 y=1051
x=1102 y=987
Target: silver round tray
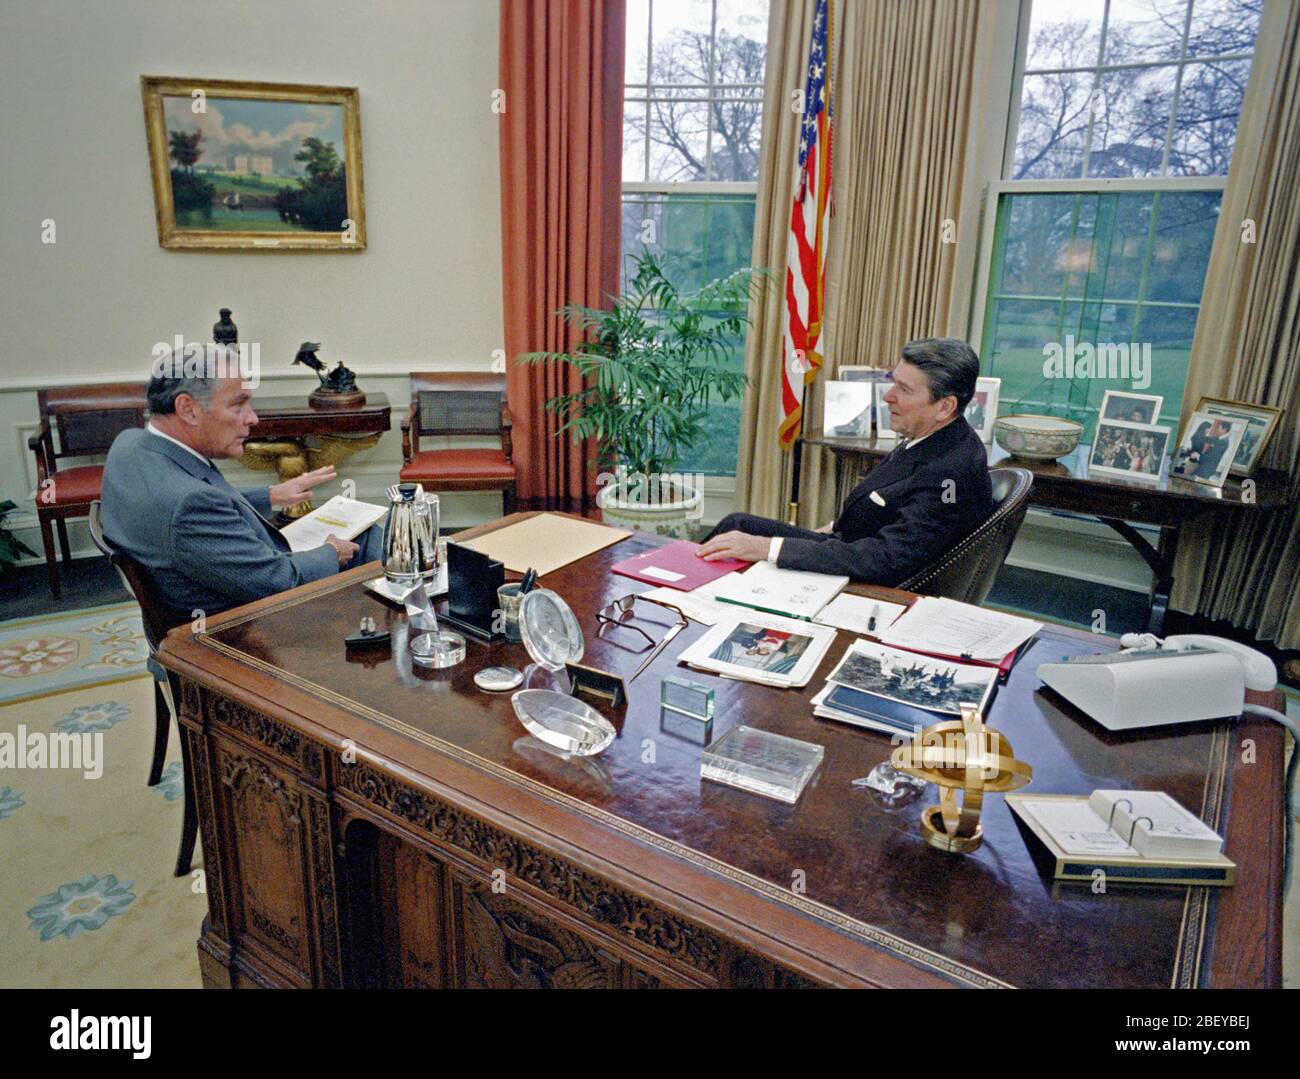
x=562 y=721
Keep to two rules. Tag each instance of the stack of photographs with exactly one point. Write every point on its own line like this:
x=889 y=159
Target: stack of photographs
x=763 y=648
x=896 y=692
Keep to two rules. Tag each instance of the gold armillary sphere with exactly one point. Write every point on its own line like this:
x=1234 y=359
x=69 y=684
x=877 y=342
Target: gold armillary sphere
x=960 y=755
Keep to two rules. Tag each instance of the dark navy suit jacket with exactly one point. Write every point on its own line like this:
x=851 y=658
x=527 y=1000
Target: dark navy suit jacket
x=911 y=508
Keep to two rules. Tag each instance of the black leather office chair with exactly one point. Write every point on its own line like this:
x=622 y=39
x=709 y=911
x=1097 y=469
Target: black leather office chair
x=157 y=620
x=966 y=571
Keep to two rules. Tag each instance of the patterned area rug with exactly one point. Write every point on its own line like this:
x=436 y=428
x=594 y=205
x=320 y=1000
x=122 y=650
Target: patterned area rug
x=60 y=652
x=87 y=896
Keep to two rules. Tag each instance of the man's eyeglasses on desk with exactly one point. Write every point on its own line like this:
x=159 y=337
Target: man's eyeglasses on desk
x=622 y=612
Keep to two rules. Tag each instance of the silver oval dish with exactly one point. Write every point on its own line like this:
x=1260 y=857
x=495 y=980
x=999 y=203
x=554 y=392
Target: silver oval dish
x=549 y=629
x=564 y=722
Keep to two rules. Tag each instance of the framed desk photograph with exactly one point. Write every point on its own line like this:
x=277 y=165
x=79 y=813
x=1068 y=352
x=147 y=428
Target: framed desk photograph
x=255 y=166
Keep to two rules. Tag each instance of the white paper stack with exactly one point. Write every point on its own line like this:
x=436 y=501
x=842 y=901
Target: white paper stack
x=763 y=648
x=949 y=628
x=791 y=593
x=345 y=518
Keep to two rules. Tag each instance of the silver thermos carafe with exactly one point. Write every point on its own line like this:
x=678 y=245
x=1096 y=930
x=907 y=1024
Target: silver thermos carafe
x=410 y=535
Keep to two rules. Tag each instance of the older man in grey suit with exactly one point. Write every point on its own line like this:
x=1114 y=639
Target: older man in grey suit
x=205 y=545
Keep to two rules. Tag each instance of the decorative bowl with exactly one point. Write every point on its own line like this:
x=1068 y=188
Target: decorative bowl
x=1037 y=438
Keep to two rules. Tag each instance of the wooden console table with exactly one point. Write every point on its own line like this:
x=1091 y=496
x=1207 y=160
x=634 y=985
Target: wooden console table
x=1066 y=485
x=278 y=439
x=369 y=823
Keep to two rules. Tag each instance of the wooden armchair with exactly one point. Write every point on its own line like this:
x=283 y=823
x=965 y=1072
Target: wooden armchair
x=157 y=619
x=459 y=403
x=87 y=419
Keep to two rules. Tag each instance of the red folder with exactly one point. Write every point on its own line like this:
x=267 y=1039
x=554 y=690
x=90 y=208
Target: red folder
x=677 y=559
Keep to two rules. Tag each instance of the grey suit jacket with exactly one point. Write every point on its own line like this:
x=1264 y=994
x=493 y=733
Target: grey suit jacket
x=204 y=545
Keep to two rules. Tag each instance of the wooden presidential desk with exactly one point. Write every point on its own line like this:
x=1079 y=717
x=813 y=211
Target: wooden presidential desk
x=1167 y=503
x=369 y=823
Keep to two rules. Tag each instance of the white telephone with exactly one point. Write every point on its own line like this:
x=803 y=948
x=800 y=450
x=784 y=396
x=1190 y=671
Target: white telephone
x=1151 y=683
x=1259 y=669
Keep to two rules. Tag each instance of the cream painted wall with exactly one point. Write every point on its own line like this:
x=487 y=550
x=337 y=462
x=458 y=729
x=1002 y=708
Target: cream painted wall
x=425 y=295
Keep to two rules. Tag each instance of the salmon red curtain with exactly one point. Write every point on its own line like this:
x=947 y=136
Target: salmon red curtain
x=561 y=188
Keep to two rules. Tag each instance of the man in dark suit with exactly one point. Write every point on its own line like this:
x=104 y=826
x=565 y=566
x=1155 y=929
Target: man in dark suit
x=930 y=493
x=203 y=544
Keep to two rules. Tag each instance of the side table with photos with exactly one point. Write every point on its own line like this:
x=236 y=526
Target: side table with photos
x=1071 y=484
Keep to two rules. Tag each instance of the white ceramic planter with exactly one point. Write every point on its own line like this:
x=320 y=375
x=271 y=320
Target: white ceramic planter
x=660 y=518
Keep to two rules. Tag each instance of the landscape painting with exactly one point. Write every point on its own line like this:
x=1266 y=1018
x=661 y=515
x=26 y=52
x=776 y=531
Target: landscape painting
x=259 y=166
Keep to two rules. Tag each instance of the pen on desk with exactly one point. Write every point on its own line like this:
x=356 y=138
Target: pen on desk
x=871 y=621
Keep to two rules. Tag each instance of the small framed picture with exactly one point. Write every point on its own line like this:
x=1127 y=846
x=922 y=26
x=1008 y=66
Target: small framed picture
x=1132 y=451
x=883 y=427
x=1130 y=407
x=862 y=374
x=1208 y=448
x=846 y=410
x=1261 y=422
x=983 y=408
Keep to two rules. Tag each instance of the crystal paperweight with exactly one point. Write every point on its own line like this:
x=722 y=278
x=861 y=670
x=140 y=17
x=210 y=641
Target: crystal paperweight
x=889 y=788
x=685 y=726
x=550 y=630
x=687 y=697
x=438 y=648
x=562 y=721
x=768 y=764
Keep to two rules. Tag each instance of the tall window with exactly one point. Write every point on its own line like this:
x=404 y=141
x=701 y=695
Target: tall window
x=692 y=121
x=1121 y=136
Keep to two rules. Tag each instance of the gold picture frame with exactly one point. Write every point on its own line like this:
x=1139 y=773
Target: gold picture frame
x=1255 y=442
x=274 y=176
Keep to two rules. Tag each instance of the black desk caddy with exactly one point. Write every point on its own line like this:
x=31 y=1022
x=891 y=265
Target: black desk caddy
x=472 y=582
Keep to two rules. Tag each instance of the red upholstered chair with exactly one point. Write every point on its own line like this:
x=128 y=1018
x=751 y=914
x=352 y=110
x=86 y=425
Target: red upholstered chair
x=459 y=403
x=87 y=419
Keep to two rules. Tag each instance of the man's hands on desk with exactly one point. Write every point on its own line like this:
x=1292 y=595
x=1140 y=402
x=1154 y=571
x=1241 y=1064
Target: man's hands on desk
x=735 y=545
x=741 y=545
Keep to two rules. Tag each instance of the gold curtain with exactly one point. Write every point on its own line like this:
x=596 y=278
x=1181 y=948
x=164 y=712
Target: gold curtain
x=905 y=77
x=1247 y=345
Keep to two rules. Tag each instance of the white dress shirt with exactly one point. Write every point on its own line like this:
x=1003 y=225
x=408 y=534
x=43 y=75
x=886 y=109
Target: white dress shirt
x=177 y=442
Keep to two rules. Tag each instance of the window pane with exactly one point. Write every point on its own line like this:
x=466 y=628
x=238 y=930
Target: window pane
x=746 y=19
x=1222 y=27
x=737 y=125
x=633 y=141
x=1131 y=122
x=1036 y=247
x=681 y=42
x=1128 y=269
x=638 y=27
x=1184 y=231
x=1064 y=33
x=1140 y=31
x=1205 y=127
x=700 y=238
x=678 y=141
x=1053 y=125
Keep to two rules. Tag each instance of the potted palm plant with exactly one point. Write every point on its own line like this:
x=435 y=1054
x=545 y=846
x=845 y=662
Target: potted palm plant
x=652 y=364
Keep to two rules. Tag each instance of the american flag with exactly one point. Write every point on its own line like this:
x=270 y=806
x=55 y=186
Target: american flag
x=805 y=270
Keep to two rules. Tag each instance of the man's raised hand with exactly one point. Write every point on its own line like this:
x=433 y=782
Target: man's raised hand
x=298 y=489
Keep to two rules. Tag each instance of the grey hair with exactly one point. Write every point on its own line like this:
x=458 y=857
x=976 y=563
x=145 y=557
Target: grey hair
x=191 y=369
x=950 y=366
